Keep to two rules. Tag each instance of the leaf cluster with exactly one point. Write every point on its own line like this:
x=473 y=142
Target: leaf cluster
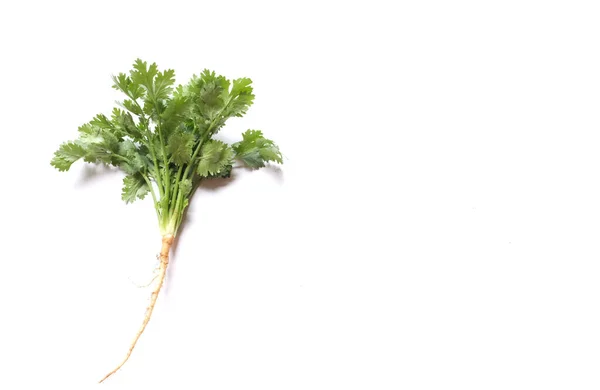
x=161 y=136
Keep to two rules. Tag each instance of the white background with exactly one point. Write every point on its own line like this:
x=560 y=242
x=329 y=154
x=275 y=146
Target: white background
x=435 y=225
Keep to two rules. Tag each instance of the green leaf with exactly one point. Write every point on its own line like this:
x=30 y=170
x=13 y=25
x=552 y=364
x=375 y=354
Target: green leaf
x=214 y=90
x=255 y=150
x=223 y=173
x=127 y=148
x=102 y=121
x=123 y=124
x=100 y=145
x=215 y=157
x=180 y=146
x=134 y=187
x=124 y=84
x=120 y=82
x=130 y=106
x=241 y=98
x=209 y=94
x=66 y=155
x=176 y=111
x=158 y=85
x=134 y=159
x=163 y=84
x=144 y=75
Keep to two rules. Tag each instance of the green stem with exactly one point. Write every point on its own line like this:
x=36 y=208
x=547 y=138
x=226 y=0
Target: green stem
x=187 y=168
x=166 y=163
x=148 y=182
x=156 y=171
x=144 y=120
x=176 y=212
x=205 y=136
x=176 y=189
x=166 y=170
x=156 y=205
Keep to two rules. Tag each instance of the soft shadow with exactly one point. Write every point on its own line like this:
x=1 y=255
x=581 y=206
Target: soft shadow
x=211 y=185
x=274 y=171
x=90 y=173
x=215 y=184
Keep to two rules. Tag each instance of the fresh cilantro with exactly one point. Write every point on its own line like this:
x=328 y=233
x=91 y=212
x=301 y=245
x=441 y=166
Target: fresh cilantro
x=161 y=137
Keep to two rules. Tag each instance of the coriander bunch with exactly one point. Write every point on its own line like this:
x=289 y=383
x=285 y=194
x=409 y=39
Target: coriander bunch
x=161 y=136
